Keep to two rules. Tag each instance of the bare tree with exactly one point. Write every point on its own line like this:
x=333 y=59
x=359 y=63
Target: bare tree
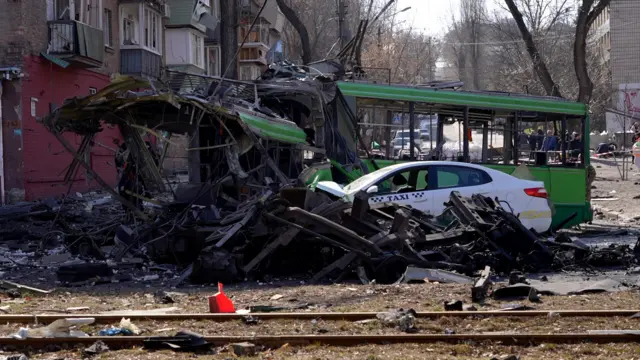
x=292 y=17
x=539 y=65
x=465 y=37
x=587 y=12
x=407 y=56
x=320 y=22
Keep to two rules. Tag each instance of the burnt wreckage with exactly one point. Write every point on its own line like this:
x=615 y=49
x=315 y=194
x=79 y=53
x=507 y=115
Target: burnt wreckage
x=250 y=215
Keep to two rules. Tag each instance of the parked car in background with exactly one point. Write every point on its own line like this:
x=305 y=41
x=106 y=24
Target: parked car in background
x=427 y=185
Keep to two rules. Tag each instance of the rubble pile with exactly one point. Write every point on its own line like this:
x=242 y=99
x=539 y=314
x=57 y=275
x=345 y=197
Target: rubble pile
x=249 y=214
x=297 y=232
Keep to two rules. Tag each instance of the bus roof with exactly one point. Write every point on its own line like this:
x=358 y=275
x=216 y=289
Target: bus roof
x=474 y=99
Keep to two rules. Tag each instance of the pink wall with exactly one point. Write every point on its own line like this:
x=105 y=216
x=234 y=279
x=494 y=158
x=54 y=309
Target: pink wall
x=45 y=160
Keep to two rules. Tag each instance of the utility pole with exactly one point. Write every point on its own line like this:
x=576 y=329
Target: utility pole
x=229 y=22
x=228 y=47
x=342 y=12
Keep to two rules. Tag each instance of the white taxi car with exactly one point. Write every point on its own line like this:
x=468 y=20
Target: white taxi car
x=427 y=185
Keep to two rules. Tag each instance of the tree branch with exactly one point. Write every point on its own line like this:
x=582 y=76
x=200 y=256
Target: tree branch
x=583 y=24
x=539 y=65
x=292 y=17
x=596 y=11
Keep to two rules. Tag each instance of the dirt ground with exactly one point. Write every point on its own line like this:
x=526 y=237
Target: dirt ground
x=614 y=193
x=346 y=297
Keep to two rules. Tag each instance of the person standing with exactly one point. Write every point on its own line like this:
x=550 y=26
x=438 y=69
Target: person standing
x=539 y=139
x=550 y=142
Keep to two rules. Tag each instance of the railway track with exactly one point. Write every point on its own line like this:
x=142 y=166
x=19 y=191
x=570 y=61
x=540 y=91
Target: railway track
x=116 y=342
x=507 y=338
x=350 y=316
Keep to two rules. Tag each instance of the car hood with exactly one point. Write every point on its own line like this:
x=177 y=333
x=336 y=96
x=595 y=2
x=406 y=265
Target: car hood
x=332 y=188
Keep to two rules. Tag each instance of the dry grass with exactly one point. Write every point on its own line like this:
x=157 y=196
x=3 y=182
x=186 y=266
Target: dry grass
x=397 y=351
x=422 y=297
x=351 y=297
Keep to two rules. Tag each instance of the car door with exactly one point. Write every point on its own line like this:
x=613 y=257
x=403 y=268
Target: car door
x=414 y=193
x=466 y=180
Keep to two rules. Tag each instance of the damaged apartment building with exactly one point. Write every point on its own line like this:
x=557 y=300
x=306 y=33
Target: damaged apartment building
x=55 y=50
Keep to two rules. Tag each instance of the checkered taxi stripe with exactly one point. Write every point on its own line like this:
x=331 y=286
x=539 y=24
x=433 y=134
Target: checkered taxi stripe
x=397 y=197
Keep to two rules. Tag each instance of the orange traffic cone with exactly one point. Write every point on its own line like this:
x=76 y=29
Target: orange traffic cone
x=220 y=303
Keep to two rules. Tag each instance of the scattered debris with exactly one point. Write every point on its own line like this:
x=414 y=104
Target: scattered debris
x=481 y=287
x=162 y=297
x=414 y=274
x=506 y=357
x=97 y=348
x=181 y=341
x=453 y=305
x=402 y=319
x=14 y=357
x=469 y=307
x=77 y=308
x=220 y=303
x=244 y=349
x=58 y=328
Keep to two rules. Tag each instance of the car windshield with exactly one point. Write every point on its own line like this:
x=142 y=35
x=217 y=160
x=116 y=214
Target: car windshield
x=406 y=134
x=401 y=141
x=359 y=183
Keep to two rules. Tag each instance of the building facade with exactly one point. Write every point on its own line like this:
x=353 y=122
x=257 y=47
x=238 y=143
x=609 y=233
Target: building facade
x=624 y=63
x=54 y=50
x=600 y=36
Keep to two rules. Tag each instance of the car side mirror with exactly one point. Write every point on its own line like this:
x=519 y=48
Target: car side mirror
x=372 y=190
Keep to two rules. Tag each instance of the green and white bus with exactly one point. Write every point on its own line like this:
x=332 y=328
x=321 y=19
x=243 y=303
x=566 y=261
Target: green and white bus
x=502 y=131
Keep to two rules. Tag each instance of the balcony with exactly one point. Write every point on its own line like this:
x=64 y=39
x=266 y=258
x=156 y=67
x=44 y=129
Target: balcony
x=253 y=55
x=140 y=62
x=77 y=43
x=258 y=37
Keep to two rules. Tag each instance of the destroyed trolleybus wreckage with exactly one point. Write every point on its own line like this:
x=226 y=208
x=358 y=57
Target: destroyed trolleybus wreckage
x=262 y=148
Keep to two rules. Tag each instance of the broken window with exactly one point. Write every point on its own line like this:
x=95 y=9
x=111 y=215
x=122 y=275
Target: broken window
x=213 y=60
x=63 y=10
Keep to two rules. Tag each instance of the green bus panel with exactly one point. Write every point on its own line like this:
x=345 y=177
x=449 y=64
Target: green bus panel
x=569 y=195
x=477 y=100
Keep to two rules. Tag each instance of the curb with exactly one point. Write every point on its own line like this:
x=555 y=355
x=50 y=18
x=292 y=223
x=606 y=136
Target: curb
x=612 y=215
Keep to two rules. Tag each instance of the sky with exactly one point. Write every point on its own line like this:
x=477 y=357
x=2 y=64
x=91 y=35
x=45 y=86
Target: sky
x=431 y=16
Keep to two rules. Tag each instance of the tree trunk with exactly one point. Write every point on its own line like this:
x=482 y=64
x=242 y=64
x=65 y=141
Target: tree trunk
x=292 y=17
x=550 y=87
x=583 y=24
x=229 y=38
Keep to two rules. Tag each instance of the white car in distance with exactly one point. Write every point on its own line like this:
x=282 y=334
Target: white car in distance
x=427 y=185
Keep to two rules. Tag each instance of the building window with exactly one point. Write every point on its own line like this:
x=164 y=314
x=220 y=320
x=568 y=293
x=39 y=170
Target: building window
x=34 y=107
x=63 y=10
x=140 y=26
x=92 y=13
x=92 y=91
x=85 y=11
x=197 y=50
x=213 y=60
x=108 y=35
x=128 y=32
x=152 y=29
